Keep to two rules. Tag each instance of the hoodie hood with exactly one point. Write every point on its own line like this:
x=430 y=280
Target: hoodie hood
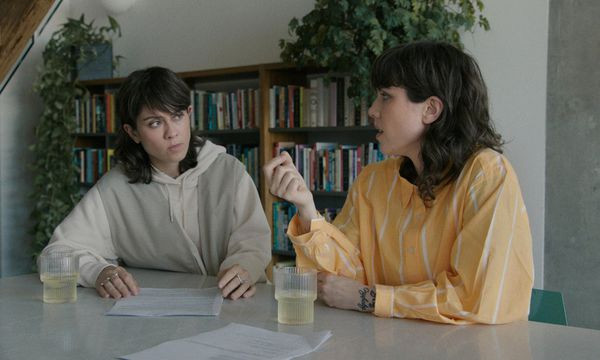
x=207 y=154
x=177 y=188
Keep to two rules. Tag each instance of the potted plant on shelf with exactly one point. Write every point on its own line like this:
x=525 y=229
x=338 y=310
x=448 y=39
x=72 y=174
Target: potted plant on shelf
x=345 y=36
x=55 y=184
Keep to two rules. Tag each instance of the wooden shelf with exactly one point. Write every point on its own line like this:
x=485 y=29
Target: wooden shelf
x=284 y=253
x=229 y=72
x=324 y=129
x=92 y=135
x=227 y=132
x=342 y=194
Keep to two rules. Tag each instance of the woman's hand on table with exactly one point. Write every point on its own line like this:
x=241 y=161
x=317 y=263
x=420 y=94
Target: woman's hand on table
x=234 y=283
x=116 y=282
x=344 y=293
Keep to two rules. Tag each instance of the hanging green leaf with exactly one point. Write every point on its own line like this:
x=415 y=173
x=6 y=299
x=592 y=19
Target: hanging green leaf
x=56 y=189
x=346 y=36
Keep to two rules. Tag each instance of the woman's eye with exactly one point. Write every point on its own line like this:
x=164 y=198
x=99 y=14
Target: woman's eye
x=154 y=123
x=384 y=96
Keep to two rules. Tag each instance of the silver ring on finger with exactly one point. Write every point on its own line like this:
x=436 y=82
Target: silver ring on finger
x=239 y=278
x=106 y=281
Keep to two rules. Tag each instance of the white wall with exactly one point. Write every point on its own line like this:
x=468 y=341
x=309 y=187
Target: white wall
x=202 y=34
x=513 y=59
x=186 y=35
x=20 y=110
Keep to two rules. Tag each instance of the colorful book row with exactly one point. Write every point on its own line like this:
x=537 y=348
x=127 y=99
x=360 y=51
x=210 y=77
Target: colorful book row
x=92 y=163
x=330 y=166
x=238 y=109
x=233 y=110
x=322 y=104
x=96 y=114
x=248 y=155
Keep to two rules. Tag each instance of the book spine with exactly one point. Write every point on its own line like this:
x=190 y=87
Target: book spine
x=340 y=102
x=332 y=103
x=275 y=225
x=313 y=105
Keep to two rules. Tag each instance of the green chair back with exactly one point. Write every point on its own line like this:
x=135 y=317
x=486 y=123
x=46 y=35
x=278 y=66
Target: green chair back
x=548 y=307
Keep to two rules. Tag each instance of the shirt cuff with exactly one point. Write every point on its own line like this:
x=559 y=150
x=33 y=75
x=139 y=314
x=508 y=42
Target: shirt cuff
x=88 y=273
x=294 y=229
x=384 y=301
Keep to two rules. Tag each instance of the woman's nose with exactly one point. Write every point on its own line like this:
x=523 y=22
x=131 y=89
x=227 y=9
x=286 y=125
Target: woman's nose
x=170 y=130
x=373 y=112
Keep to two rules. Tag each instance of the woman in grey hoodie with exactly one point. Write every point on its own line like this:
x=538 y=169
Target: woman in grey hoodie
x=174 y=202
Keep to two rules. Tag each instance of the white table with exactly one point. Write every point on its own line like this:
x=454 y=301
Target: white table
x=30 y=329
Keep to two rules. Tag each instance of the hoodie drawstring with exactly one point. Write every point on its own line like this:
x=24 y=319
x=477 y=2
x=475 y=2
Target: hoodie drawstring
x=207 y=155
x=171 y=215
x=172 y=206
x=182 y=192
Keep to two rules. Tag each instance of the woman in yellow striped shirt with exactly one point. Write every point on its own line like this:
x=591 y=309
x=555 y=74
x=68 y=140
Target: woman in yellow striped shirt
x=438 y=231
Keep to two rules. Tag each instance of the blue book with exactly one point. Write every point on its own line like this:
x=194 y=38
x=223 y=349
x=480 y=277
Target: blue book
x=89 y=166
x=275 y=227
x=100 y=163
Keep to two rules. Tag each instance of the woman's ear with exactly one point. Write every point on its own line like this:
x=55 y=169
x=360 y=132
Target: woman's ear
x=132 y=133
x=432 y=110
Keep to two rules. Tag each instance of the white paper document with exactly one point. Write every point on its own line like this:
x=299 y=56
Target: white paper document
x=235 y=342
x=170 y=302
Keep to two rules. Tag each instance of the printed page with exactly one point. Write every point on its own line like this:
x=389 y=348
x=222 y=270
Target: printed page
x=170 y=302
x=233 y=342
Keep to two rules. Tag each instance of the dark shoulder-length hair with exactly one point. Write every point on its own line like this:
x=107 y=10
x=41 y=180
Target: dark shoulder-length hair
x=155 y=88
x=429 y=68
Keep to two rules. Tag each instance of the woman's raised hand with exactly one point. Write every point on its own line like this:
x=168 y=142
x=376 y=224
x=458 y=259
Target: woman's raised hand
x=284 y=181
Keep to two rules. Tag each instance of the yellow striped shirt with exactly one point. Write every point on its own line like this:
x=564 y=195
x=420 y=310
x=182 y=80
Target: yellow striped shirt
x=467 y=258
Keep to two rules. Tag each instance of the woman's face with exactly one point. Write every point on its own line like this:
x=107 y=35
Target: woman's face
x=400 y=122
x=164 y=136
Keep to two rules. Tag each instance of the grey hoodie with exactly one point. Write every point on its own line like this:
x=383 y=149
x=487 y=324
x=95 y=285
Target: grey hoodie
x=207 y=219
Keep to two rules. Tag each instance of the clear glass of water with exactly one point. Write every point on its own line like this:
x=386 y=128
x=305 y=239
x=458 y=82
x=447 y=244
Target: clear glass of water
x=58 y=272
x=296 y=292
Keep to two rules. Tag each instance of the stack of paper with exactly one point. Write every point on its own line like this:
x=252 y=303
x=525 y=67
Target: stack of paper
x=170 y=302
x=235 y=342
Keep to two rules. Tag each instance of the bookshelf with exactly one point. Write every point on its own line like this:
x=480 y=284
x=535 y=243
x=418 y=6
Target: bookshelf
x=263 y=78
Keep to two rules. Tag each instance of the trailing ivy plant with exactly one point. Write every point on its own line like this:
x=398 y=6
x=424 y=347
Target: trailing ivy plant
x=56 y=188
x=345 y=36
